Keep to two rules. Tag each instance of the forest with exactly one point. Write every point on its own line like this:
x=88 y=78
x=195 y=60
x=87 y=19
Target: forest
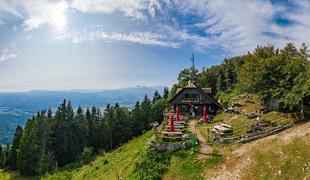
x=53 y=139
x=268 y=72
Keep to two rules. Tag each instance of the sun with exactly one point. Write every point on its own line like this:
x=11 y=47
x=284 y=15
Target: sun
x=58 y=16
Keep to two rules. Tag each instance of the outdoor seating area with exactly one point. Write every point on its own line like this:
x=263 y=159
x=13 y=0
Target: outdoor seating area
x=222 y=129
x=174 y=130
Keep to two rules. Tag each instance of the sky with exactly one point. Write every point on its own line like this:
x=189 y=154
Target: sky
x=108 y=44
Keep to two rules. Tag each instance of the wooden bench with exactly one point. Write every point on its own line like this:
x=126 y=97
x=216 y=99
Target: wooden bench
x=176 y=130
x=172 y=133
x=177 y=126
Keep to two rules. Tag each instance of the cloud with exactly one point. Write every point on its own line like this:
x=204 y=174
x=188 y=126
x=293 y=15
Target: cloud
x=138 y=9
x=47 y=12
x=98 y=34
x=36 y=13
x=235 y=26
x=6 y=55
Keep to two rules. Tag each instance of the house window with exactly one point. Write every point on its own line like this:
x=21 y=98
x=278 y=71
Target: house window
x=191 y=97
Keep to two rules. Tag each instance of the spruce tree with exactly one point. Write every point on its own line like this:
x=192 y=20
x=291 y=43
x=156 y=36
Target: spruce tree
x=12 y=161
x=65 y=142
x=156 y=97
x=166 y=93
x=2 y=157
x=80 y=129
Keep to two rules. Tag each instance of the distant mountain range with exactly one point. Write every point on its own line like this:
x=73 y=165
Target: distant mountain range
x=17 y=107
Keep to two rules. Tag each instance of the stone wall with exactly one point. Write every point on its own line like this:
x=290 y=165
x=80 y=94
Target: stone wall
x=170 y=146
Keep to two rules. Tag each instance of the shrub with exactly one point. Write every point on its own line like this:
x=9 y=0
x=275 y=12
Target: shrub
x=152 y=165
x=86 y=156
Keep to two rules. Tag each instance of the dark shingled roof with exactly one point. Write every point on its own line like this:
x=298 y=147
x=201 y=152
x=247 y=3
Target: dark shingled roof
x=206 y=91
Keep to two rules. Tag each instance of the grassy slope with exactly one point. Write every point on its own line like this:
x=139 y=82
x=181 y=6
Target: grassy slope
x=120 y=161
x=286 y=157
x=185 y=165
x=282 y=156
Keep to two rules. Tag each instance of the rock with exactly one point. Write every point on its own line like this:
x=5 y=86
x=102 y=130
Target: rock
x=161 y=147
x=185 y=136
x=170 y=147
x=183 y=145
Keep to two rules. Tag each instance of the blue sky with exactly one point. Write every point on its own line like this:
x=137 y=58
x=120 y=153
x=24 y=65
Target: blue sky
x=104 y=44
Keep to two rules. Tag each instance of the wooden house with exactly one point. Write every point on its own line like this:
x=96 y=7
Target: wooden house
x=191 y=100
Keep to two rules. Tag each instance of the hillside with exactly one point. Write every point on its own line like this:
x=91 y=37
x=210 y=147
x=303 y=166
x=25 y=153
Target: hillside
x=107 y=166
x=283 y=156
x=119 y=162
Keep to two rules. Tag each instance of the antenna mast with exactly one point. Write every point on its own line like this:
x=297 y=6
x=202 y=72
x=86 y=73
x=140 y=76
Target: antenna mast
x=193 y=69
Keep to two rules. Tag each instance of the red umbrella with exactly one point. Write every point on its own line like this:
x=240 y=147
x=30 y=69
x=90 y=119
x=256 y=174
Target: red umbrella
x=177 y=110
x=171 y=128
x=204 y=116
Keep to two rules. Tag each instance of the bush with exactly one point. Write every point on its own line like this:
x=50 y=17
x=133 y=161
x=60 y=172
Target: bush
x=152 y=165
x=86 y=156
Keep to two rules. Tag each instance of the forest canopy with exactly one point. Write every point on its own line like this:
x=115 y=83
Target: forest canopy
x=268 y=72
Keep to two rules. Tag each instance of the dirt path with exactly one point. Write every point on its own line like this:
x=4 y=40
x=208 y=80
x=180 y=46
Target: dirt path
x=204 y=149
x=238 y=162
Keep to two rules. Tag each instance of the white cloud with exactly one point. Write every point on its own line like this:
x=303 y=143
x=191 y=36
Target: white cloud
x=6 y=55
x=37 y=13
x=46 y=12
x=131 y=8
x=236 y=26
x=145 y=38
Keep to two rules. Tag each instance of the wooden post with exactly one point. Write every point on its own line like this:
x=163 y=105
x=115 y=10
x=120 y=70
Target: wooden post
x=302 y=109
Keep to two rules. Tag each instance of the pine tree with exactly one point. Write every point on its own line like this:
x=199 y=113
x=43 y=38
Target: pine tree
x=145 y=110
x=28 y=159
x=166 y=93
x=156 y=97
x=137 y=121
x=12 y=161
x=80 y=129
x=96 y=129
x=65 y=142
x=2 y=157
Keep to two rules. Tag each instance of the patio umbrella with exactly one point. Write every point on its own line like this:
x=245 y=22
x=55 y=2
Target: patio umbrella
x=204 y=115
x=177 y=110
x=171 y=128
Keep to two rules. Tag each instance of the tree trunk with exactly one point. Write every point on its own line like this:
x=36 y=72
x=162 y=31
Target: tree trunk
x=302 y=109
x=111 y=142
